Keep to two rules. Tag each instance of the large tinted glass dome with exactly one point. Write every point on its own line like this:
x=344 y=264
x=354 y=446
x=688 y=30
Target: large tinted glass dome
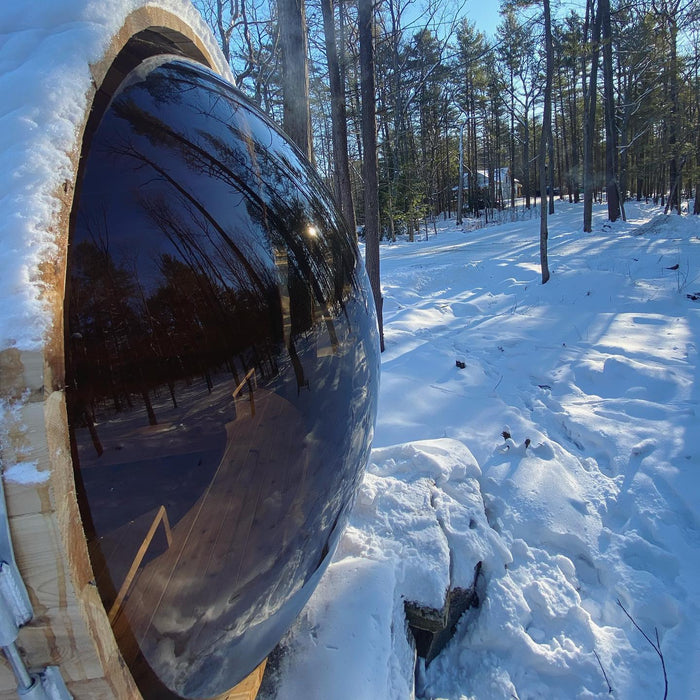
x=222 y=362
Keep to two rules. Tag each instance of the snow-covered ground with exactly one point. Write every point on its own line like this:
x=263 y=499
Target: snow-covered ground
x=597 y=370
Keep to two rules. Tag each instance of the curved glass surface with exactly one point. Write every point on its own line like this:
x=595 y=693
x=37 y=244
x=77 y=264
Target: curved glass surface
x=222 y=363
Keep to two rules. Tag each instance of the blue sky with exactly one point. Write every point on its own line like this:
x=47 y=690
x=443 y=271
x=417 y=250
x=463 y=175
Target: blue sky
x=484 y=13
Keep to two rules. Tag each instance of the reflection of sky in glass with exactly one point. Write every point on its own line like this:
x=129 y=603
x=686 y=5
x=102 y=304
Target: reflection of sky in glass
x=221 y=364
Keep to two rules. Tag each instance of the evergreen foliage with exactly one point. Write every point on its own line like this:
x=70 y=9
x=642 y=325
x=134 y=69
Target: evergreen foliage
x=435 y=72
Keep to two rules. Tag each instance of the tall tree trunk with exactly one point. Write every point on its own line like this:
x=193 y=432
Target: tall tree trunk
x=389 y=159
x=696 y=205
x=575 y=165
x=611 y=187
x=550 y=150
x=674 y=165
x=589 y=123
x=365 y=21
x=545 y=137
x=472 y=161
x=526 y=158
x=512 y=139
x=565 y=148
x=295 y=74
x=460 y=177
x=338 y=117
x=668 y=12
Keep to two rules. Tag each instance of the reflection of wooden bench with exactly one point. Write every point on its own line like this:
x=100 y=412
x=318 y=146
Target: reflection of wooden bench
x=264 y=457
x=246 y=380
x=227 y=542
x=160 y=515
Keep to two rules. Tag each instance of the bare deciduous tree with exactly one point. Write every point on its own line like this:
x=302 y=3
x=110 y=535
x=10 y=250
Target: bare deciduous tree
x=338 y=117
x=295 y=73
x=545 y=137
x=590 y=102
x=365 y=20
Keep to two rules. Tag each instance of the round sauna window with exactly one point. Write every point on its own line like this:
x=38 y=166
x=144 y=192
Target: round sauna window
x=222 y=363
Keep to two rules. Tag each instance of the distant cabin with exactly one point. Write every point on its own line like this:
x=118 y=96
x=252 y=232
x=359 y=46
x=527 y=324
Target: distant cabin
x=502 y=182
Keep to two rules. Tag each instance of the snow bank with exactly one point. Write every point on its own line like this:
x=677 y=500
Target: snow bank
x=418 y=527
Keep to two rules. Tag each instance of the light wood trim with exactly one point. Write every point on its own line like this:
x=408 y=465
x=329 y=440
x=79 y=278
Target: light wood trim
x=239 y=388
x=248 y=688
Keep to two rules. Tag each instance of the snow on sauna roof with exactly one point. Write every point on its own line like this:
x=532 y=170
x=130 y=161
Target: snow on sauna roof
x=46 y=51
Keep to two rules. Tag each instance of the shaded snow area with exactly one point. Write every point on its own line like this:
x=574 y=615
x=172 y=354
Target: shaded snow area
x=593 y=499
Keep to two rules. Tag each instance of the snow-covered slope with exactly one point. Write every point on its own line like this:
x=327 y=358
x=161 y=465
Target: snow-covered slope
x=598 y=371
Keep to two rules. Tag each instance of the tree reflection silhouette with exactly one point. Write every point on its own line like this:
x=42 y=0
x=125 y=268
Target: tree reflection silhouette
x=221 y=356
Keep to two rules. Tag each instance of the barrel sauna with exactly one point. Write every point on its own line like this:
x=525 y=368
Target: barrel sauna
x=183 y=439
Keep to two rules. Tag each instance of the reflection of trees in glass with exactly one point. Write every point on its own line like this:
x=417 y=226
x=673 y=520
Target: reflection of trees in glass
x=317 y=274
x=267 y=173
x=223 y=263
x=124 y=343
x=291 y=208
x=105 y=331
x=216 y=300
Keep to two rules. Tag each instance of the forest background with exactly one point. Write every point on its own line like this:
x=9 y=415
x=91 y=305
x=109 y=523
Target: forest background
x=435 y=73
x=410 y=112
